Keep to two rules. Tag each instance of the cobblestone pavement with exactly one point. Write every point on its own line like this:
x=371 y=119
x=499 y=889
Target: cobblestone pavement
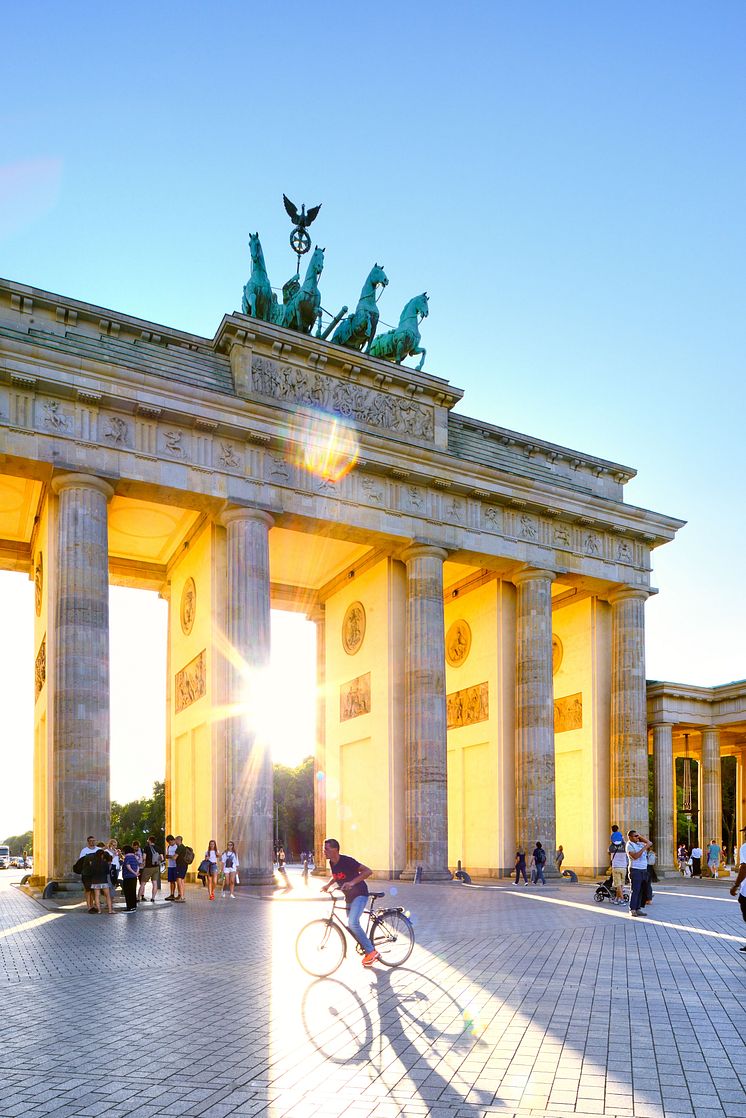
x=515 y=1002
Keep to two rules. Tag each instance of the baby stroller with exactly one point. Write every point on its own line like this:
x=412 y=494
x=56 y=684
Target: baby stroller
x=605 y=892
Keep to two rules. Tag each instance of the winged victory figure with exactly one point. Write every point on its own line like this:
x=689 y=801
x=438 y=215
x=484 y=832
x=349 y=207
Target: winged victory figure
x=300 y=220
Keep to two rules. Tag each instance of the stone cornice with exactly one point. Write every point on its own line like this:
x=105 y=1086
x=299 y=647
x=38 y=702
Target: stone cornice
x=679 y=703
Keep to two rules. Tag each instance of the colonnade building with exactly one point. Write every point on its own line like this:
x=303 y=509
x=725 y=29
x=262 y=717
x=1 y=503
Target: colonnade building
x=479 y=595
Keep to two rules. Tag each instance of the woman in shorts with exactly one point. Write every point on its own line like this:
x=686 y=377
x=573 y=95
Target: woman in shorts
x=211 y=857
x=230 y=866
x=100 y=879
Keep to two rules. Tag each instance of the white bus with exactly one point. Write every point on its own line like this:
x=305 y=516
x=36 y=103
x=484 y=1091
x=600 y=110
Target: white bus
x=4 y=857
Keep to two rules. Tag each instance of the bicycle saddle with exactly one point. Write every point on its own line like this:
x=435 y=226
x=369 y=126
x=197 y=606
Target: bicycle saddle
x=376 y=895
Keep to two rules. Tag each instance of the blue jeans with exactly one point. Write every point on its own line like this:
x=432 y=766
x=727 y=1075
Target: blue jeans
x=354 y=912
x=638 y=879
x=539 y=875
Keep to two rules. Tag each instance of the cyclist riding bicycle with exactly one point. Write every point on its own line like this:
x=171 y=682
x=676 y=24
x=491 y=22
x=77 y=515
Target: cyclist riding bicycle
x=349 y=875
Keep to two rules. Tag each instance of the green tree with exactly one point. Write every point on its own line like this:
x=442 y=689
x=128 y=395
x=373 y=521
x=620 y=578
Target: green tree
x=140 y=818
x=293 y=789
x=20 y=844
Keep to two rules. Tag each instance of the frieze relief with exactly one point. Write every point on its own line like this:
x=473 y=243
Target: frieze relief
x=354 y=401
x=191 y=682
x=464 y=708
x=40 y=668
x=354 y=698
x=568 y=713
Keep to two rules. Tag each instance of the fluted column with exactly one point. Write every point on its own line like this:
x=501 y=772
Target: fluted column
x=249 y=801
x=712 y=802
x=80 y=744
x=319 y=758
x=628 y=768
x=664 y=840
x=425 y=716
x=535 y=812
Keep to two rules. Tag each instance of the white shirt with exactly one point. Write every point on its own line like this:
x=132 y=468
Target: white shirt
x=87 y=850
x=742 y=859
x=697 y=852
x=212 y=856
x=640 y=863
x=171 y=852
x=234 y=867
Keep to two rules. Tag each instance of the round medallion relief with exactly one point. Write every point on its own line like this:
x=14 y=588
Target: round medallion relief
x=353 y=628
x=557 y=653
x=188 y=606
x=458 y=643
x=38 y=583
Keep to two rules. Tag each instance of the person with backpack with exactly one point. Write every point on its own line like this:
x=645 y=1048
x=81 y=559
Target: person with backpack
x=538 y=859
x=85 y=857
x=130 y=870
x=619 y=862
x=101 y=877
x=183 y=858
x=151 y=869
x=230 y=866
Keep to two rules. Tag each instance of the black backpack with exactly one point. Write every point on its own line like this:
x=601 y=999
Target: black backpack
x=82 y=866
x=186 y=855
x=616 y=848
x=540 y=857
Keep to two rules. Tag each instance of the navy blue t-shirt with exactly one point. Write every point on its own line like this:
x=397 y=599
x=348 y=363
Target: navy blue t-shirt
x=345 y=869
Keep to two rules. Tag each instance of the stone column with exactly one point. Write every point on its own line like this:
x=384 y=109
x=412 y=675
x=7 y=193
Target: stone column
x=425 y=716
x=535 y=814
x=711 y=815
x=80 y=736
x=319 y=759
x=628 y=768
x=664 y=839
x=249 y=802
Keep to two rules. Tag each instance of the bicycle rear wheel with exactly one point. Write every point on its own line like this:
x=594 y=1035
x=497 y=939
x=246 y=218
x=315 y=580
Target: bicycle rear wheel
x=393 y=937
x=320 y=948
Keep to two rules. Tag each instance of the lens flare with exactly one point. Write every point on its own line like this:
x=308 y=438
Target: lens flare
x=326 y=446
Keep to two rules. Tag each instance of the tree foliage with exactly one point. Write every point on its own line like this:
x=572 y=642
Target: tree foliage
x=140 y=818
x=293 y=788
x=20 y=844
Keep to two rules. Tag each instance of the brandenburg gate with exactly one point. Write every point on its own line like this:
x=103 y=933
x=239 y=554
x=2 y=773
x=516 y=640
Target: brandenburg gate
x=479 y=595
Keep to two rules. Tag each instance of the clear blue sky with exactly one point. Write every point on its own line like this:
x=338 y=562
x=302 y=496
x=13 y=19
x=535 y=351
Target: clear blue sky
x=566 y=182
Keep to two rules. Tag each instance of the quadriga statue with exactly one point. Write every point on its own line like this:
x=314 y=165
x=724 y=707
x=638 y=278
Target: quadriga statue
x=404 y=341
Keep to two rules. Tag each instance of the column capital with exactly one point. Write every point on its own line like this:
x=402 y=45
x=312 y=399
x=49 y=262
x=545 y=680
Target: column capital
x=628 y=593
x=661 y=723
x=532 y=574
x=82 y=481
x=423 y=550
x=234 y=513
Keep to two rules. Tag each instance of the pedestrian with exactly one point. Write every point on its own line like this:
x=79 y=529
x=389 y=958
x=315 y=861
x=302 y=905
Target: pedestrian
x=619 y=862
x=115 y=864
x=171 y=868
x=682 y=856
x=211 y=858
x=151 y=869
x=520 y=866
x=738 y=888
x=130 y=870
x=713 y=857
x=305 y=869
x=652 y=859
x=87 y=852
x=559 y=858
x=101 y=877
x=229 y=858
x=538 y=861
x=182 y=864
x=697 y=862
x=637 y=850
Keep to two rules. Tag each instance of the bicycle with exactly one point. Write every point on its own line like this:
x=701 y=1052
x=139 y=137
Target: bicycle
x=321 y=945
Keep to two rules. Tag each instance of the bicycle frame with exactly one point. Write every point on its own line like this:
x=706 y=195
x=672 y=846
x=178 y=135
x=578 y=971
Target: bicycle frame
x=371 y=912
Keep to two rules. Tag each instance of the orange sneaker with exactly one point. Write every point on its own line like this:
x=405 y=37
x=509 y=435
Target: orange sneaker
x=370 y=958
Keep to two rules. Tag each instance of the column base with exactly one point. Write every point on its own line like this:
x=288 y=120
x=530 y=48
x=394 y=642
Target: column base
x=255 y=877
x=409 y=873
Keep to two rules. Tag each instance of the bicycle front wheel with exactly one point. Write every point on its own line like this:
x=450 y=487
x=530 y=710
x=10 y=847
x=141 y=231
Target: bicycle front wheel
x=393 y=937
x=320 y=948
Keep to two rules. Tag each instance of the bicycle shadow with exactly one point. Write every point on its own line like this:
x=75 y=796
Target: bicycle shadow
x=413 y=1020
